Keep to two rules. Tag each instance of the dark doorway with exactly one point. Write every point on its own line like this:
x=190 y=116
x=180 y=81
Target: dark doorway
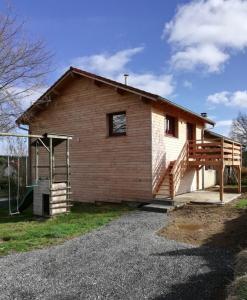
x=46 y=205
x=191 y=131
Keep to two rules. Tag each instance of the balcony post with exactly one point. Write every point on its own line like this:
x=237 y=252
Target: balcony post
x=197 y=178
x=221 y=173
x=239 y=179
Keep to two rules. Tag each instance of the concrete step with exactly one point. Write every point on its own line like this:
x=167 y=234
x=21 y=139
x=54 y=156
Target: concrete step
x=165 y=201
x=162 y=206
x=155 y=207
x=169 y=201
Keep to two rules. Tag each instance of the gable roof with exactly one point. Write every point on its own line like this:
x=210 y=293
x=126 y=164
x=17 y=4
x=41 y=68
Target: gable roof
x=40 y=103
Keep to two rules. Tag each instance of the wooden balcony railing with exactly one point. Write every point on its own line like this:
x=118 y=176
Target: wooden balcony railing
x=215 y=152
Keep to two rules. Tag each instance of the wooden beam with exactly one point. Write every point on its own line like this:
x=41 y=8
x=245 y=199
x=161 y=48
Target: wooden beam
x=221 y=177
x=239 y=179
x=145 y=100
x=120 y=91
x=97 y=83
x=197 y=178
x=204 y=163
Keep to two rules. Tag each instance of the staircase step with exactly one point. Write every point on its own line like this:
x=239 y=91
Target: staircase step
x=164 y=189
x=162 y=196
x=165 y=185
x=163 y=193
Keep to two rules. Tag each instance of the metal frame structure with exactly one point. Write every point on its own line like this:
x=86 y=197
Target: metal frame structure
x=49 y=142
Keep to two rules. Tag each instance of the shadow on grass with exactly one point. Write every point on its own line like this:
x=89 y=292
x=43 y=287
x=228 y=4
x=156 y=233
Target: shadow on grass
x=210 y=281
x=77 y=209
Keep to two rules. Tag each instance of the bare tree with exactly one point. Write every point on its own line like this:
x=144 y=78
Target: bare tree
x=239 y=133
x=239 y=129
x=23 y=65
x=17 y=146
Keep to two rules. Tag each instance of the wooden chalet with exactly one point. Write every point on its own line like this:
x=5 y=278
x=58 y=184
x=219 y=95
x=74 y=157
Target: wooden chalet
x=128 y=144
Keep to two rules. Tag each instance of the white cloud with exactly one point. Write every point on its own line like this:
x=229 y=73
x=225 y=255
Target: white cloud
x=205 y=32
x=115 y=65
x=105 y=62
x=158 y=84
x=24 y=98
x=223 y=127
x=201 y=55
x=237 y=99
x=223 y=123
x=33 y=95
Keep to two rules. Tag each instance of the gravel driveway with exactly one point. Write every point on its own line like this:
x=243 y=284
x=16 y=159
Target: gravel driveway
x=123 y=260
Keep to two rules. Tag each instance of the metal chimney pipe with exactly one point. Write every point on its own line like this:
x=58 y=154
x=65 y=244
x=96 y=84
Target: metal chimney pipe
x=125 y=78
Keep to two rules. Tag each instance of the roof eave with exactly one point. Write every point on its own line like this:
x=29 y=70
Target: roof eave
x=217 y=135
x=21 y=119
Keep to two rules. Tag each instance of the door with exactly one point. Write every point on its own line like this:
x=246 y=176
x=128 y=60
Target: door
x=191 y=131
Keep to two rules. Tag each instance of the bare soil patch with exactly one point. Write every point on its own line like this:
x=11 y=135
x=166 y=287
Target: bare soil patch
x=209 y=225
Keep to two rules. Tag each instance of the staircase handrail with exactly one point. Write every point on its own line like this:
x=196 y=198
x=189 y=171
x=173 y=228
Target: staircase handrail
x=184 y=152
x=177 y=171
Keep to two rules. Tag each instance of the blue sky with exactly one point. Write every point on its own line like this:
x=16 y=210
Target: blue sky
x=192 y=52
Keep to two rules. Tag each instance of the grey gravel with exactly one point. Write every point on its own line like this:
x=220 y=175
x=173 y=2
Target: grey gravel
x=123 y=260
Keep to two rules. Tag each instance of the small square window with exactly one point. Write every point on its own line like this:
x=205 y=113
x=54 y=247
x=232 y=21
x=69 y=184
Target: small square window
x=171 y=126
x=117 y=123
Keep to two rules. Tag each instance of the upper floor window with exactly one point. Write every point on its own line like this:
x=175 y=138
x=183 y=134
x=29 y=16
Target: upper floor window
x=117 y=123
x=171 y=125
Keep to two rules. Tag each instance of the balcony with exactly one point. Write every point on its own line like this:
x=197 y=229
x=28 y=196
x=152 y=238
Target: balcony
x=217 y=153
x=214 y=153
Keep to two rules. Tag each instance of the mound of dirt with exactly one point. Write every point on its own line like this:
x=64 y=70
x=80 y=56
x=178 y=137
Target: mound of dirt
x=209 y=225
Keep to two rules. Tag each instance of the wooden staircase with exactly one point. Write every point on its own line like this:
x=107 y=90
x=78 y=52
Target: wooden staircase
x=174 y=173
x=164 y=188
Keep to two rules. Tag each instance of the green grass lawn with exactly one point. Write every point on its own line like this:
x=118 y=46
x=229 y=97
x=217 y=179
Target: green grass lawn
x=242 y=203
x=242 y=292
x=24 y=232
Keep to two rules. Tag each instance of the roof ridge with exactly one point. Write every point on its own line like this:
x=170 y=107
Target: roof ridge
x=109 y=81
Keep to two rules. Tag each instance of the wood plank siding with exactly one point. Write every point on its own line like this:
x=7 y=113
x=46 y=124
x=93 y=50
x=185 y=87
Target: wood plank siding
x=137 y=160
x=103 y=168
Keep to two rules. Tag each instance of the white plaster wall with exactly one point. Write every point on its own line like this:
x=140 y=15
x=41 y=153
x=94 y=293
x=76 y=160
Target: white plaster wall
x=166 y=149
x=210 y=178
